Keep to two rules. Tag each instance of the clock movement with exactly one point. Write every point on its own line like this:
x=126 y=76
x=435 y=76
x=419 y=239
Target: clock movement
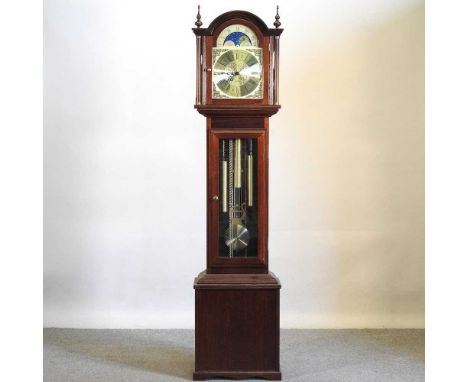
x=236 y=297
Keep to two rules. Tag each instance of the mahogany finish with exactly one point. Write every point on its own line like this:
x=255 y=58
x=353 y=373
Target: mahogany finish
x=237 y=110
x=246 y=343
x=237 y=298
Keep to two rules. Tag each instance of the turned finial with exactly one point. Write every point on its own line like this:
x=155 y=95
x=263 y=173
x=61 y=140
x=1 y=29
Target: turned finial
x=277 y=23
x=198 y=23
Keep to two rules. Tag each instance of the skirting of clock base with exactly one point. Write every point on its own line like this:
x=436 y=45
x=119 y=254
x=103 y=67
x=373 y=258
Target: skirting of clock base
x=203 y=375
x=237 y=326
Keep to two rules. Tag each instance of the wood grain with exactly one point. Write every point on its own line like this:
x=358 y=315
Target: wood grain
x=236 y=326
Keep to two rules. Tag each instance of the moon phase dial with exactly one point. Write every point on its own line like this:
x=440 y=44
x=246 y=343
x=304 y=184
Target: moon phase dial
x=237 y=72
x=237 y=35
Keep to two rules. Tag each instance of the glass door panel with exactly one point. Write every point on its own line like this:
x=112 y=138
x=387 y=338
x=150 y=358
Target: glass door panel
x=238 y=220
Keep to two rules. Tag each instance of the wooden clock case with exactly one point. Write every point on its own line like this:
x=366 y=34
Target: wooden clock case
x=237 y=299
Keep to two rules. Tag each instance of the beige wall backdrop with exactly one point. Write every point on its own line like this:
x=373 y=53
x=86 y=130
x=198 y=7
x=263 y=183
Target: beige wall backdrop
x=124 y=158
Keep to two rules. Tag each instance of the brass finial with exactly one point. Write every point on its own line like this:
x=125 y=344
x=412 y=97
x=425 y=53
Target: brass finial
x=198 y=23
x=277 y=23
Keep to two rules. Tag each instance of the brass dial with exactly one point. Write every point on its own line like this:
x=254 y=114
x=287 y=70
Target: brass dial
x=237 y=72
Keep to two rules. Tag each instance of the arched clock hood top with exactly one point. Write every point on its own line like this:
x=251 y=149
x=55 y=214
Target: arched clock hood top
x=238 y=15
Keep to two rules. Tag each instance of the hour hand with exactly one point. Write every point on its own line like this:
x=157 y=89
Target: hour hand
x=230 y=73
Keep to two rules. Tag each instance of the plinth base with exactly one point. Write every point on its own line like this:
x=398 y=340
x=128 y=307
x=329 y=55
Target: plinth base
x=237 y=326
x=203 y=375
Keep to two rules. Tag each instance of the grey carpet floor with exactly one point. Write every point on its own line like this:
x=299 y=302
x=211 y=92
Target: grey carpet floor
x=82 y=355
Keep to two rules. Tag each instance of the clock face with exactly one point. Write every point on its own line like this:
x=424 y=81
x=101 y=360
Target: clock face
x=237 y=72
x=237 y=35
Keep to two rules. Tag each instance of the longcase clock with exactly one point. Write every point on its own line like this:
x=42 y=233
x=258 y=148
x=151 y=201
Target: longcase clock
x=236 y=297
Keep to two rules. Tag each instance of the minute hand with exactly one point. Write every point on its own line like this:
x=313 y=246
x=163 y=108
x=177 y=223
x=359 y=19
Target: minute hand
x=229 y=73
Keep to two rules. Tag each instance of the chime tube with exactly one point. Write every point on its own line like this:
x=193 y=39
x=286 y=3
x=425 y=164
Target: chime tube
x=238 y=163
x=250 y=180
x=224 y=186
